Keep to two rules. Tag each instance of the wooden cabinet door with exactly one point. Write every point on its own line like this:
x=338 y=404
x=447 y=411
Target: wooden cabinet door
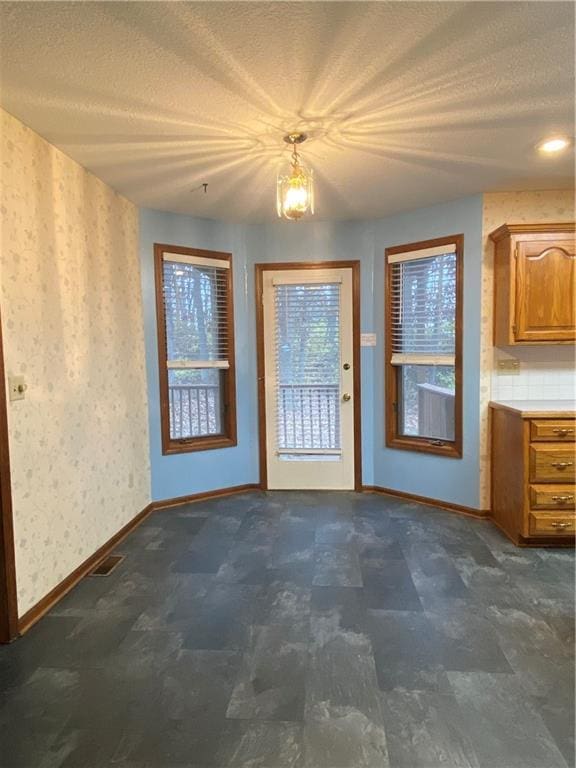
x=545 y=303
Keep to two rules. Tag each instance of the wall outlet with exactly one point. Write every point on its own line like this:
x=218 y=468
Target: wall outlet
x=508 y=367
x=16 y=387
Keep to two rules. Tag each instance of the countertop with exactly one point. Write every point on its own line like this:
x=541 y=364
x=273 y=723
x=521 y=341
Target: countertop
x=534 y=409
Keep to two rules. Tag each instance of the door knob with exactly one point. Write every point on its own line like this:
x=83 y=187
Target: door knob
x=346 y=397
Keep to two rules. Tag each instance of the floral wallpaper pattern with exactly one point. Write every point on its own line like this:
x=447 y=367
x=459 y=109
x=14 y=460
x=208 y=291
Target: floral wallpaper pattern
x=514 y=208
x=72 y=321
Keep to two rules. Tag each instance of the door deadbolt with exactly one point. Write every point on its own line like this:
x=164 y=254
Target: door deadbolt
x=346 y=397
x=346 y=366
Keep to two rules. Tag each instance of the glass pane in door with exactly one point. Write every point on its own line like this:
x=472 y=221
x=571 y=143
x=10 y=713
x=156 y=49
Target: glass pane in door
x=307 y=346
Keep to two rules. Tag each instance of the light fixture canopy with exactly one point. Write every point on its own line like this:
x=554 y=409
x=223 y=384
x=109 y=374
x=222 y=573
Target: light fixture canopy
x=295 y=190
x=553 y=145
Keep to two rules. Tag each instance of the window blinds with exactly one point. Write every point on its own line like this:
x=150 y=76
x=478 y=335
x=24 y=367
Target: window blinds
x=196 y=309
x=307 y=342
x=423 y=295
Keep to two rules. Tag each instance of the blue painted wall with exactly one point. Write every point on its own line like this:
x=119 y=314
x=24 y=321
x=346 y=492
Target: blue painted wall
x=453 y=480
x=187 y=473
x=334 y=241
x=448 y=479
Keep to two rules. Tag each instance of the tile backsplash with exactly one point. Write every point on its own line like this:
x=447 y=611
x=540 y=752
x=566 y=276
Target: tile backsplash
x=544 y=374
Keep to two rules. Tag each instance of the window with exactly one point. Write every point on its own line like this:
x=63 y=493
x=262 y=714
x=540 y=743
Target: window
x=307 y=336
x=195 y=348
x=424 y=346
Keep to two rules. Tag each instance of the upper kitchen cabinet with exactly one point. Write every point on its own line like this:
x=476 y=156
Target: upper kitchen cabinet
x=534 y=284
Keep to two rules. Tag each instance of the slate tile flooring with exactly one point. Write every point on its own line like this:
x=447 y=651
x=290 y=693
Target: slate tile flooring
x=302 y=630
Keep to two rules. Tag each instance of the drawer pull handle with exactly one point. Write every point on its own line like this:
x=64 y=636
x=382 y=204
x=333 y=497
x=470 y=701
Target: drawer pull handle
x=562 y=464
x=557 y=524
x=562 y=499
x=563 y=431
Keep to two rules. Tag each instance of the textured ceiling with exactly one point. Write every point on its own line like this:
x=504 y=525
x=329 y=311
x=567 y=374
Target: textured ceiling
x=406 y=104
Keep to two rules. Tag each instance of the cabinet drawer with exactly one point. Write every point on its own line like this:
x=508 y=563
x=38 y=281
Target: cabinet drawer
x=552 y=497
x=553 y=430
x=551 y=463
x=547 y=524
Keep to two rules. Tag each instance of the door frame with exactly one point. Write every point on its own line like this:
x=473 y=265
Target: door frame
x=354 y=265
x=8 y=597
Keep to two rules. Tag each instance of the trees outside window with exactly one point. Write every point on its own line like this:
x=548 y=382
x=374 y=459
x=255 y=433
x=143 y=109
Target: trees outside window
x=423 y=324
x=196 y=348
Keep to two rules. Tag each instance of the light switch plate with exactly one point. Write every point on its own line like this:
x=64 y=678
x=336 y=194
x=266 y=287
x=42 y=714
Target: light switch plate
x=508 y=367
x=367 y=339
x=17 y=387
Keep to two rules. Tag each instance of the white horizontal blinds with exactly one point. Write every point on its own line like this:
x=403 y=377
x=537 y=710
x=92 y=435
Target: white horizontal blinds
x=307 y=347
x=196 y=306
x=195 y=292
x=423 y=296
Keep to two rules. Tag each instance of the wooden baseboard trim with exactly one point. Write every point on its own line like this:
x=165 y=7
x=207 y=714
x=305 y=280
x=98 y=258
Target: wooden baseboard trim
x=34 y=614
x=481 y=514
x=179 y=500
x=42 y=607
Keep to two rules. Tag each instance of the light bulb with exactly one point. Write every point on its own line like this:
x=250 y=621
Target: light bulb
x=296 y=198
x=295 y=191
x=551 y=146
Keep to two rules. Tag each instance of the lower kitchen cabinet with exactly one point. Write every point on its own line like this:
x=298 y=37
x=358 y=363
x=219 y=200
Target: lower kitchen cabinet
x=533 y=471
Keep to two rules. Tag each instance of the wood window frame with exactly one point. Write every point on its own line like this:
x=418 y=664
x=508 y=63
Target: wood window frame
x=452 y=448
x=228 y=438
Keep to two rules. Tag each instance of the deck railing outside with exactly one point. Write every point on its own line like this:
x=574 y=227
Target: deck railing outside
x=308 y=416
x=435 y=412
x=194 y=411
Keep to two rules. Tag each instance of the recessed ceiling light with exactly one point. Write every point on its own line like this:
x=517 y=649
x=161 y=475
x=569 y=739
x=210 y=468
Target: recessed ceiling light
x=553 y=145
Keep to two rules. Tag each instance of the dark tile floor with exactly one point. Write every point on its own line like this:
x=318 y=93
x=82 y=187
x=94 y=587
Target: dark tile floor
x=292 y=630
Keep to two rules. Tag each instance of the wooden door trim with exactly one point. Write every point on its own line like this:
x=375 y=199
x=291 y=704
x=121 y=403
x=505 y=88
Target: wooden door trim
x=354 y=265
x=8 y=595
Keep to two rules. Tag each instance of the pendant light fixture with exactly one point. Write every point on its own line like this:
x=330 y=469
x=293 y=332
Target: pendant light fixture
x=295 y=190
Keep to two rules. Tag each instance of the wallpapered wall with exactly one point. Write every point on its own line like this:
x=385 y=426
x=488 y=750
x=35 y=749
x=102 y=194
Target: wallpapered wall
x=72 y=323
x=545 y=372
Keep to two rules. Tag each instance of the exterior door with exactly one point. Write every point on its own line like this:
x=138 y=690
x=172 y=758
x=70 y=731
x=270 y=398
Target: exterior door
x=309 y=378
